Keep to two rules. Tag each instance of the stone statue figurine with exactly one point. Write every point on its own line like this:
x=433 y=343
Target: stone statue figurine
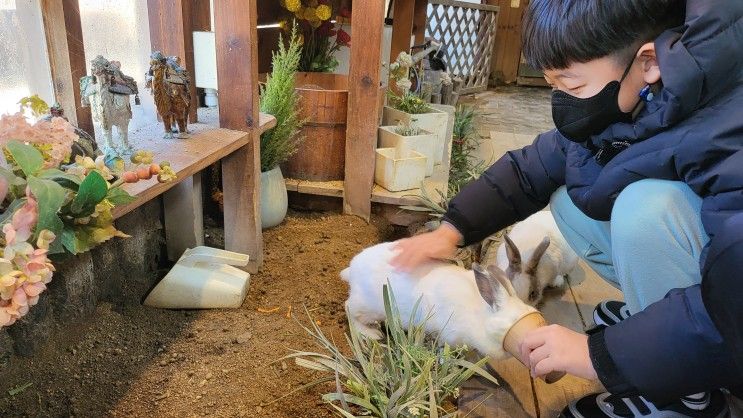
x=107 y=92
x=169 y=83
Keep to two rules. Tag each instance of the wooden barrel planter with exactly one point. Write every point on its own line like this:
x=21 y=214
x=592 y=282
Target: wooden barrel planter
x=322 y=154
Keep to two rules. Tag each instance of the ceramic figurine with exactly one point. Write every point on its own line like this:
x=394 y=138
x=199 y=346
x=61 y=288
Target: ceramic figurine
x=169 y=83
x=107 y=92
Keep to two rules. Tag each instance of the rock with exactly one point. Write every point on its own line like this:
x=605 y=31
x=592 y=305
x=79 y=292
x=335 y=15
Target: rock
x=202 y=383
x=163 y=363
x=284 y=366
x=258 y=409
x=209 y=376
x=244 y=337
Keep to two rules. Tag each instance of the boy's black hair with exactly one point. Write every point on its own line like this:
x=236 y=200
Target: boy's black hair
x=557 y=33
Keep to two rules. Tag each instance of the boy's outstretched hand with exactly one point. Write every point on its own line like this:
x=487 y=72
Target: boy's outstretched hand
x=556 y=348
x=439 y=244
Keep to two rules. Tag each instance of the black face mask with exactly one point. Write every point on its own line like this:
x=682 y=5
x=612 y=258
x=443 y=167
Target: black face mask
x=577 y=118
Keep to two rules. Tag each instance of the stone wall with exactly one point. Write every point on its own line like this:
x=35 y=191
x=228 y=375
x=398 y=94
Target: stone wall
x=119 y=272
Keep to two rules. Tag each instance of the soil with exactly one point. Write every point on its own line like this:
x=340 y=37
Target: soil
x=144 y=362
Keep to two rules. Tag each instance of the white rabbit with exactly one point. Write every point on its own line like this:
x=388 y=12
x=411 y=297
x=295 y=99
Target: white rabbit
x=476 y=308
x=548 y=257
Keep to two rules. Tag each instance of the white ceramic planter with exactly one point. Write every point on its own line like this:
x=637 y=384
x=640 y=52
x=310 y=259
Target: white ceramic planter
x=425 y=143
x=397 y=170
x=274 y=199
x=434 y=122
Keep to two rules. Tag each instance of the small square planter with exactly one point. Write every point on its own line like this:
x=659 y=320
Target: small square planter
x=434 y=122
x=397 y=170
x=424 y=143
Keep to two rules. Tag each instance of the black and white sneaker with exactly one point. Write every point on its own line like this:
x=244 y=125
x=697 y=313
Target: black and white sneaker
x=610 y=312
x=606 y=405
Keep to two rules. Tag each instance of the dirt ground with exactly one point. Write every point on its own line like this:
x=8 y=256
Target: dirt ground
x=143 y=362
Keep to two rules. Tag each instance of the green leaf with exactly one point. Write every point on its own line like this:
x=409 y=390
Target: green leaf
x=66 y=180
x=91 y=192
x=69 y=240
x=12 y=179
x=28 y=158
x=50 y=197
x=118 y=196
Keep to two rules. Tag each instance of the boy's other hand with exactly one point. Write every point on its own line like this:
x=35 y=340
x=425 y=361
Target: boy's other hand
x=556 y=348
x=439 y=244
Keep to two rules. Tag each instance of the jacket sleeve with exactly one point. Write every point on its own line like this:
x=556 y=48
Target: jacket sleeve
x=519 y=184
x=674 y=347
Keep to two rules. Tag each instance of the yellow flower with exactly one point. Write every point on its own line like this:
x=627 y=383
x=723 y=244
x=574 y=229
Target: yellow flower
x=309 y=13
x=293 y=5
x=323 y=12
x=284 y=25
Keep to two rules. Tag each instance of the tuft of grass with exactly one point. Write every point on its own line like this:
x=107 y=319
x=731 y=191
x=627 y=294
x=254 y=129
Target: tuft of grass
x=278 y=98
x=406 y=375
x=407 y=129
x=408 y=103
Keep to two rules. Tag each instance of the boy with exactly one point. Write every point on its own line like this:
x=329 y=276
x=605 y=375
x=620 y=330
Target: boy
x=644 y=176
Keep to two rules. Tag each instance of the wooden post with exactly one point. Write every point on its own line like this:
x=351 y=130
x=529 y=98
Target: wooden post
x=420 y=15
x=507 y=45
x=363 y=101
x=402 y=27
x=171 y=32
x=236 y=34
x=64 y=40
x=202 y=17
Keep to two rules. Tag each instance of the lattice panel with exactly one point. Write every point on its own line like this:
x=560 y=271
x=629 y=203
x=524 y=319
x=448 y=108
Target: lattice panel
x=467 y=31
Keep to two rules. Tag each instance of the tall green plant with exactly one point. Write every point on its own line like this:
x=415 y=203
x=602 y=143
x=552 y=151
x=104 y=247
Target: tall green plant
x=407 y=375
x=464 y=142
x=278 y=98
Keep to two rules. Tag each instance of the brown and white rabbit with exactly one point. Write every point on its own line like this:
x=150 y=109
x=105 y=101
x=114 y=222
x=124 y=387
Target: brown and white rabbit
x=476 y=308
x=535 y=256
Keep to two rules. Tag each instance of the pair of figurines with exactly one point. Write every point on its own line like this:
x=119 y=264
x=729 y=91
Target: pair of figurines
x=107 y=91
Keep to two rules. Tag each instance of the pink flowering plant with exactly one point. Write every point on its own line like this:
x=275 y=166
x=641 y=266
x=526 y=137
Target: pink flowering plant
x=49 y=207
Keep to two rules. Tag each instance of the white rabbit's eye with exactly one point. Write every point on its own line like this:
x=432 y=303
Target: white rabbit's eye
x=533 y=295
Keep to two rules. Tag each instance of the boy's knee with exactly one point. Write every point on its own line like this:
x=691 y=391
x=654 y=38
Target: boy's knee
x=646 y=206
x=561 y=204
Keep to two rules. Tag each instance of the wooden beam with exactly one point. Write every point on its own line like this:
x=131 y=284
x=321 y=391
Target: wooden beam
x=363 y=103
x=507 y=45
x=236 y=36
x=64 y=40
x=202 y=18
x=402 y=27
x=171 y=32
x=420 y=16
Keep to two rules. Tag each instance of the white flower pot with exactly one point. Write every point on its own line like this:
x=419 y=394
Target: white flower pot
x=274 y=199
x=434 y=122
x=424 y=143
x=397 y=170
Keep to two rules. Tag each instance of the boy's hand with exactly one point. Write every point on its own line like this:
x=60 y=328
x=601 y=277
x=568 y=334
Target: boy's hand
x=439 y=244
x=554 y=347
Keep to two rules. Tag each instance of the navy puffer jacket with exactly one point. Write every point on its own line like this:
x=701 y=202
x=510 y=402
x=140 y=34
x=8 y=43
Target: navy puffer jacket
x=693 y=132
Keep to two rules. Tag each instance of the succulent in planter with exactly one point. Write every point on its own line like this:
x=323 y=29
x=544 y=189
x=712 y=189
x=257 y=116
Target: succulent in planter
x=408 y=103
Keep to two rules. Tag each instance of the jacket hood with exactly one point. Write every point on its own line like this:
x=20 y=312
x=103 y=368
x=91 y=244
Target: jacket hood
x=699 y=61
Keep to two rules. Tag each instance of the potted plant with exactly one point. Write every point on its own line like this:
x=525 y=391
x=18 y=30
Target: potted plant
x=322 y=153
x=279 y=99
x=408 y=107
x=399 y=169
x=408 y=136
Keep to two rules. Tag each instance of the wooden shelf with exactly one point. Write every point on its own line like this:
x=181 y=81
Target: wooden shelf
x=379 y=195
x=206 y=145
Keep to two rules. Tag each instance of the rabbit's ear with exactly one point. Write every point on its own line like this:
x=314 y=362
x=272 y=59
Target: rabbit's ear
x=514 y=256
x=501 y=278
x=531 y=266
x=487 y=286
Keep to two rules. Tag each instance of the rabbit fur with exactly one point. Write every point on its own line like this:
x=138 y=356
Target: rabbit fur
x=476 y=308
x=535 y=256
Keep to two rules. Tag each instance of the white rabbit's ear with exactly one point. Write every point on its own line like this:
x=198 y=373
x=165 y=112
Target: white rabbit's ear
x=485 y=284
x=500 y=277
x=531 y=266
x=514 y=256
